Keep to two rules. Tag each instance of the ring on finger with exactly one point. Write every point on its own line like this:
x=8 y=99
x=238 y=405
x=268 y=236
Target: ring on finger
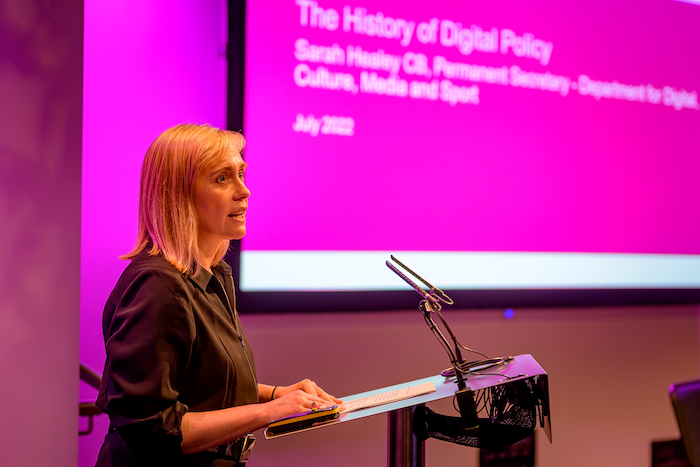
x=313 y=404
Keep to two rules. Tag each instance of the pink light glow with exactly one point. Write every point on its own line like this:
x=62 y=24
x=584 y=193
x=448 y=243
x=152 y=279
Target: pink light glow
x=148 y=65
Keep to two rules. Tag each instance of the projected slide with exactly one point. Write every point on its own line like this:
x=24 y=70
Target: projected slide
x=489 y=145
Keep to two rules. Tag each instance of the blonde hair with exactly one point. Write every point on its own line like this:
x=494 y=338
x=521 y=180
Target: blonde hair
x=167 y=214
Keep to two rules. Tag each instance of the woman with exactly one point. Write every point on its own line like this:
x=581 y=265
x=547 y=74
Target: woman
x=179 y=382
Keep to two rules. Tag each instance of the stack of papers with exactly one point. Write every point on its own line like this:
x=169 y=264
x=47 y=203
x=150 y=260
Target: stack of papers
x=388 y=397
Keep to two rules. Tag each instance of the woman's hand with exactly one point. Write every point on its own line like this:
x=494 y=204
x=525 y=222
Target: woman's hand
x=309 y=387
x=202 y=430
x=297 y=398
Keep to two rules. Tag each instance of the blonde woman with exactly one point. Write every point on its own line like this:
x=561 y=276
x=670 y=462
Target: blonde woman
x=179 y=383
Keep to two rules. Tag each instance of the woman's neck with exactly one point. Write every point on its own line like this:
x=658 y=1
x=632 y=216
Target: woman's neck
x=207 y=253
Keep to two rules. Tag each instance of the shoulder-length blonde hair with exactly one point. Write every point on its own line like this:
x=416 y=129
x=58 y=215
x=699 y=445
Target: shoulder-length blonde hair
x=167 y=215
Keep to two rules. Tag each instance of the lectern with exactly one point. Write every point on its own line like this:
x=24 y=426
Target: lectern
x=513 y=395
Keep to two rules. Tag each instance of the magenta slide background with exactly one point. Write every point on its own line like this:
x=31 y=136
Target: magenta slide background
x=523 y=170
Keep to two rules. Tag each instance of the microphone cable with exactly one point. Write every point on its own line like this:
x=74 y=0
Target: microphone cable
x=475 y=368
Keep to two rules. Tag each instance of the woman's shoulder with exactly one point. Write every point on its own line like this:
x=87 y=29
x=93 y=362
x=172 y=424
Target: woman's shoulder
x=150 y=303
x=147 y=261
x=150 y=271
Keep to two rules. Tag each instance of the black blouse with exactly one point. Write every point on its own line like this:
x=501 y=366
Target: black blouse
x=174 y=344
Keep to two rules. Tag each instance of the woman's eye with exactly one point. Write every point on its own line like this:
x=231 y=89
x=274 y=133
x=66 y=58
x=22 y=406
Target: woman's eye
x=221 y=178
x=241 y=175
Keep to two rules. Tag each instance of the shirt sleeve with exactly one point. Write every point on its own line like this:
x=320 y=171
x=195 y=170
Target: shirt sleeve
x=149 y=337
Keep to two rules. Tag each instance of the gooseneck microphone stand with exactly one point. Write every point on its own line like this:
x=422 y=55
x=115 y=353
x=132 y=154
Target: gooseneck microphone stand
x=431 y=304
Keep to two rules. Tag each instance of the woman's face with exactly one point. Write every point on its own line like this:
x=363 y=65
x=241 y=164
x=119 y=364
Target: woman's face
x=221 y=201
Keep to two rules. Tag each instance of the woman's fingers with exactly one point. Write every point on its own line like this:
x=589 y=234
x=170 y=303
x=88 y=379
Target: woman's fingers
x=307 y=386
x=330 y=397
x=312 y=388
x=300 y=400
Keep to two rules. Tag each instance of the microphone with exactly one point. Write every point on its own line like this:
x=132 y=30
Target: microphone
x=434 y=296
x=434 y=302
x=431 y=302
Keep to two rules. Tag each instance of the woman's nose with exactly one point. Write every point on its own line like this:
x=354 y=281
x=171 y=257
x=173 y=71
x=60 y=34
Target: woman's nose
x=242 y=192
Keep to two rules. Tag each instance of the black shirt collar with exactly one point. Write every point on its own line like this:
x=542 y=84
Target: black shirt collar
x=202 y=279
